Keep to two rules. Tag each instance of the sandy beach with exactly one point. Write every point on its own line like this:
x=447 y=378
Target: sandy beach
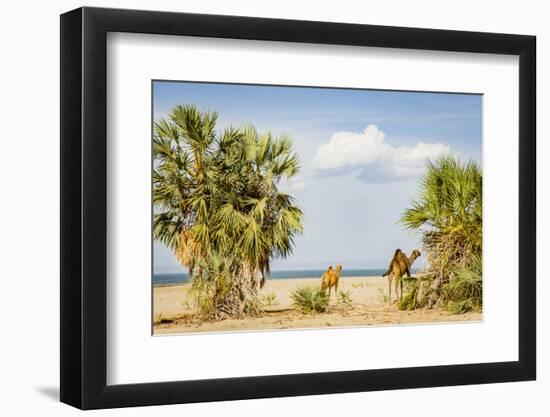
x=173 y=309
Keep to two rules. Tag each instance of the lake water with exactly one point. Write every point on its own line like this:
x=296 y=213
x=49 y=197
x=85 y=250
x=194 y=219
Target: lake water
x=171 y=279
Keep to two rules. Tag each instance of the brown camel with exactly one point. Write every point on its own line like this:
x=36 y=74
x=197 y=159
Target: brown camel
x=400 y=265
x=330 y=279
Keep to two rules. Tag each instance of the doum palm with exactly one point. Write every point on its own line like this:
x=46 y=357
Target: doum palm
x=216 y=196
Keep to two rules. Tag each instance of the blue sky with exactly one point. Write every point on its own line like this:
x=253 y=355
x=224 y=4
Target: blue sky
x=361 y=153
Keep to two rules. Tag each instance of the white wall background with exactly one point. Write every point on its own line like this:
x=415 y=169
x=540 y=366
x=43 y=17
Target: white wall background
x=29 y=215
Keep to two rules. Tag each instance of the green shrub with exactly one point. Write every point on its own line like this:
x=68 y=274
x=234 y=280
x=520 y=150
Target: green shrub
x=203 y=293
x=465 y=291
x=310 y=300
x=459 y=307
x=269 y=299
x=344 y=298
x=408 y=301
x=417 y=293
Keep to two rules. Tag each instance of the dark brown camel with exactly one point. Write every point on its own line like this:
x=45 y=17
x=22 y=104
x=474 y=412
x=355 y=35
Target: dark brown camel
x=400 y=266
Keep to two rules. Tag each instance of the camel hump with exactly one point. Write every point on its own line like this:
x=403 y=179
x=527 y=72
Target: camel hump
x=395 y=257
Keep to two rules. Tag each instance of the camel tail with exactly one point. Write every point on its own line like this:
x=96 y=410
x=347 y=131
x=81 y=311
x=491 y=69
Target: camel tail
x=389 y=269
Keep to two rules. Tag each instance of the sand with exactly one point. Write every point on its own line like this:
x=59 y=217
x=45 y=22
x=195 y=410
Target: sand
x=173 y=313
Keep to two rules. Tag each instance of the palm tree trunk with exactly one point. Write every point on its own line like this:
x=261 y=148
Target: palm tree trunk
x=242 y=299
x=435 y=295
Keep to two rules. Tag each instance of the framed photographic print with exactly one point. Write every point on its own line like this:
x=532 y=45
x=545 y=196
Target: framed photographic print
x=258 y=207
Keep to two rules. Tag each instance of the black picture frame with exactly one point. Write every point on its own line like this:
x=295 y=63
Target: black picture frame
x=84 y=207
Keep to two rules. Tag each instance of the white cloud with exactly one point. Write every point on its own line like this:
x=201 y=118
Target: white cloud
x=377 y=160
x=292 y=185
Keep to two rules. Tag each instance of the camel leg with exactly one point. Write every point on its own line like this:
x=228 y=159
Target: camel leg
x=397 y=288
x=389 y=288
x=401 y=285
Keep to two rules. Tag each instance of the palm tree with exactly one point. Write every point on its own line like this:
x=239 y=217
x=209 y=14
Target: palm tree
x=216 y=195
x=449 y=215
